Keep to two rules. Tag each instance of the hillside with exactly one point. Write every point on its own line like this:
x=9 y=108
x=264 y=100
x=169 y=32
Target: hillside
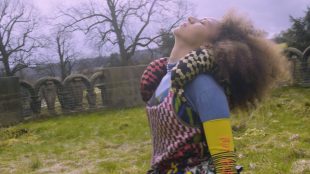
x=274 y=138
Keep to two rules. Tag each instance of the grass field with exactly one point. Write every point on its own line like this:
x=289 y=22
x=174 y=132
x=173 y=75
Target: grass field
x=272 y=139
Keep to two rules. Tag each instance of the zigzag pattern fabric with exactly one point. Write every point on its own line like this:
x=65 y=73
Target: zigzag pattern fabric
x=174 y=142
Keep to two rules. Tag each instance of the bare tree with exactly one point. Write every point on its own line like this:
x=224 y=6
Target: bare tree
x=59 y=57
x=17 y=39
x=125 y=23
x=66 y=52
x=44 y=66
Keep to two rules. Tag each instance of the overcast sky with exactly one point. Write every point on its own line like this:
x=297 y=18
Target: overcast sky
x=269 y=15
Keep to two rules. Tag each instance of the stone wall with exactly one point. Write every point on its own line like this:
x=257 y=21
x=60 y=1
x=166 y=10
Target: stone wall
x=116 y=87
x=122 y=86
x=10 y=101
x=300 y=65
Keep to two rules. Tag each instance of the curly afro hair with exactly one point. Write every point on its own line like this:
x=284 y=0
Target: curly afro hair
x=248 y=62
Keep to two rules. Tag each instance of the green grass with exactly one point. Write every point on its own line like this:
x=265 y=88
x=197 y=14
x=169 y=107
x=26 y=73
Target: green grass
x=274 y=138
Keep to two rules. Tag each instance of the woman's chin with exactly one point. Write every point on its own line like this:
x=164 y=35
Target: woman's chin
x=176 y=31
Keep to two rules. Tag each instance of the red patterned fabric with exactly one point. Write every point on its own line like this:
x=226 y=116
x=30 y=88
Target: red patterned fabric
x=173 y=141
x=151 y=77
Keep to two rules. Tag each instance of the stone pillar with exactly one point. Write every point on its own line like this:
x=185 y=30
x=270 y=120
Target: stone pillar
x=49 y=93
x=10 y=101
x=36 y=104
x=26 y=100
x=77 y=93
x=101 y=86
x=64 y=99
x=91 y=98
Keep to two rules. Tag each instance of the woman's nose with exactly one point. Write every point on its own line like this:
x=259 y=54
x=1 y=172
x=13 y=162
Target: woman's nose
x=192 y=19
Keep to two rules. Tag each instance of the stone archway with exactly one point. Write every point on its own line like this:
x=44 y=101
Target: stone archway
x=300 y=65
x=294 y=56
x=293 y=53
x=74 y=86
x=48 y=88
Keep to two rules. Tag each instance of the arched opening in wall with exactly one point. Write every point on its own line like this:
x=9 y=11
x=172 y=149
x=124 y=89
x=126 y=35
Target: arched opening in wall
x=78 y=93
x=295 y=57
x=46 y=100
x=97 y=80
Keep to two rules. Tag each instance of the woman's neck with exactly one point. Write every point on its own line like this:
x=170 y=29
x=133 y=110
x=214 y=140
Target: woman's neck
x=179 y=50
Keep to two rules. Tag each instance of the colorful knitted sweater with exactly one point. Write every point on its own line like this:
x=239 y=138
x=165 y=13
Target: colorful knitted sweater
x=173 y=139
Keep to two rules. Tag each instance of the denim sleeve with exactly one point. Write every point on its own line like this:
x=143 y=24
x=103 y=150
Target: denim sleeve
x=207 y=98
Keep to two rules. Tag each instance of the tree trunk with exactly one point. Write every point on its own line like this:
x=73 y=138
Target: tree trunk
x=124 y=58
x=63 y=69
x=6 y=65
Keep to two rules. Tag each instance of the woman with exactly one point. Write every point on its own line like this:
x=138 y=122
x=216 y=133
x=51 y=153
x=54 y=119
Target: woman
x=214 y=67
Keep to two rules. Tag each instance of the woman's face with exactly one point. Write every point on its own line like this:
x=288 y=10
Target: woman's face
x=196 y=32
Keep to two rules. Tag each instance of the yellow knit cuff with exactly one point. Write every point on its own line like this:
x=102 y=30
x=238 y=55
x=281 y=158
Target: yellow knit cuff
x=219 y=135
x=220 y=142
